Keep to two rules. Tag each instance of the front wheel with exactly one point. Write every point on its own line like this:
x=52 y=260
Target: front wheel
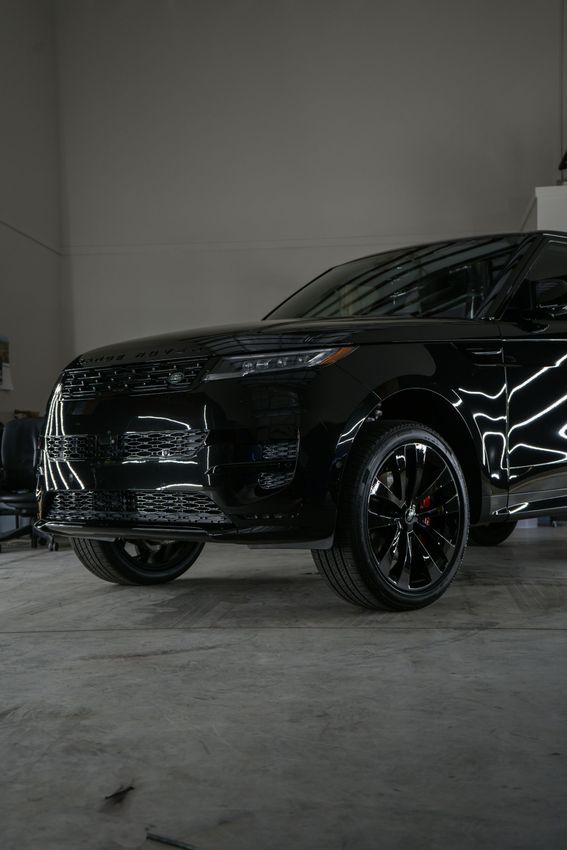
x=403 y=520
x=136 y=561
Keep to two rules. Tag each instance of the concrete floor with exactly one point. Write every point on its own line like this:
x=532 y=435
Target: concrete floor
x=254 y=710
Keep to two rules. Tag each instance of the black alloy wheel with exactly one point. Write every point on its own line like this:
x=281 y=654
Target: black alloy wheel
x=403 y=520
x=136 y=561
x=153 y=556
x=414 y=516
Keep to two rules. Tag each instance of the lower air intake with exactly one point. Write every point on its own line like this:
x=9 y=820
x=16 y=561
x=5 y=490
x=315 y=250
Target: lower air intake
x=143 y=506
x=274 y=480
x=280 y=450
x=131 y=445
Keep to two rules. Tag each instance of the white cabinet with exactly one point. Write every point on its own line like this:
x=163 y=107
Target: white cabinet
x=548 y=209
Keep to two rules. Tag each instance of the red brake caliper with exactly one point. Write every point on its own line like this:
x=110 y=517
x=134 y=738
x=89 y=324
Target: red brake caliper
x=424 y=505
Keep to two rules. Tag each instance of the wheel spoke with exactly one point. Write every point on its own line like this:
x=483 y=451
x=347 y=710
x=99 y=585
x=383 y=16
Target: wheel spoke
x=441 y=510
x=166 y=551
x=388 y=554
x=429 y=561
x=436 y=535
x=441 y=501
x=440 y=549
x=404 y=578
x=152 y=555
x=380 y=520
x=400 y=471
x=142 y=549
x=441 y=479
x=380 y=490
x=445 y=494
x=417 y=461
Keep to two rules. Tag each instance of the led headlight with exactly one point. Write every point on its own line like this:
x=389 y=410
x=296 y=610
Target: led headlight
x=282 y=361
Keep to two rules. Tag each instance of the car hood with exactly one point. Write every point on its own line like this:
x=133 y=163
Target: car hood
x=275 y=335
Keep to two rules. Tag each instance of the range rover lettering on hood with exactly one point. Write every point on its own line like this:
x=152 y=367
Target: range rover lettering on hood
x=271 y=335
x=215 y=342
x=97 y=359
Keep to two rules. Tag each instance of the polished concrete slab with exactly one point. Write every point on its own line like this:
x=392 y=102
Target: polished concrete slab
x=251 y=709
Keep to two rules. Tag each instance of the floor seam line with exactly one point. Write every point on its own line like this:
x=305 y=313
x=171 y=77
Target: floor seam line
x=357 y=629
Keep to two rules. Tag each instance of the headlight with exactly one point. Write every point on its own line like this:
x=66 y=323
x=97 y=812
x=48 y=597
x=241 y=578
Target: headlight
x=257 y=364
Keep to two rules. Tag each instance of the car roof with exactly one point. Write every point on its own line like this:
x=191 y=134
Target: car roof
x=476 y=238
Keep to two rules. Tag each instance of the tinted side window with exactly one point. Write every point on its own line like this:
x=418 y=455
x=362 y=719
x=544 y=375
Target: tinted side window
x=549 y=276
x=545 y=286
x=456 y=291
x=453 y=290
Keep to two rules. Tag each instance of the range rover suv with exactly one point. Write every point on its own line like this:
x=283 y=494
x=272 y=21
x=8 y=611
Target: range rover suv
x=372 y=417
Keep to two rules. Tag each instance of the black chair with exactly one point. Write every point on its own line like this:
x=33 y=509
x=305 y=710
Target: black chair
x=20 y=456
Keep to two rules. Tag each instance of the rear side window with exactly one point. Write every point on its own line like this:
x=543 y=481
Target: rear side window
x=549 y=276
x=545 y=284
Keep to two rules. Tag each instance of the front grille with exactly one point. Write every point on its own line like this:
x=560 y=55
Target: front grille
x=131 y=379
x=132 y=445
x=144 y=506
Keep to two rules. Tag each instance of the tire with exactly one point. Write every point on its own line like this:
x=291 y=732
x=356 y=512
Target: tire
x=491 y=535
x=136 y=561
x=403 y=520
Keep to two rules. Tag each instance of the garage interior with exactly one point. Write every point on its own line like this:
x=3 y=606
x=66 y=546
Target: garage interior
x=170 y=164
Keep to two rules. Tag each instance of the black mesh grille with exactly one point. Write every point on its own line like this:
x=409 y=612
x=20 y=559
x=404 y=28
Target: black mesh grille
x=133 y=445
x=281 y=450
x=274 y=480
x=71 y=447
x=144 y=506
x=132 y=378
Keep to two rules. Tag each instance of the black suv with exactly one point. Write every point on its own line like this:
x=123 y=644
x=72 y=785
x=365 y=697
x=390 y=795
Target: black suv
x=371 y=418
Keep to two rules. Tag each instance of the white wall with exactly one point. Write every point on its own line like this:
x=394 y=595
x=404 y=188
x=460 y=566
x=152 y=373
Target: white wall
x=217 y=154
x=30 y=260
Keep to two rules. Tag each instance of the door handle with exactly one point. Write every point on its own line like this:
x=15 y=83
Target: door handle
x=485 y=356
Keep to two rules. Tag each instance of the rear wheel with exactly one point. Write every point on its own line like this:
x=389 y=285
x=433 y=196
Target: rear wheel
x=136 y=561
x=491 y=535
x=403 y=520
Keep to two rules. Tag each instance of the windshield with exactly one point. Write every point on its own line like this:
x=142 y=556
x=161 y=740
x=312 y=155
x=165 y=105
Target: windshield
x=448 y=280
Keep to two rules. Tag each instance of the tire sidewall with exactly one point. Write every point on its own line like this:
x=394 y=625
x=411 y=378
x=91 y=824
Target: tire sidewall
x=360 y=541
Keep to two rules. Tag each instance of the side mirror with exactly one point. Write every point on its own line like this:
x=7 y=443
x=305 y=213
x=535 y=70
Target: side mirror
x=551 y=311
x=531 y=321
x=551 y=296
x=537 y=314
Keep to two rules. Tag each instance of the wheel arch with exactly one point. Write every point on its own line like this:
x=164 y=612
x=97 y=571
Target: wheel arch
x=428 y=407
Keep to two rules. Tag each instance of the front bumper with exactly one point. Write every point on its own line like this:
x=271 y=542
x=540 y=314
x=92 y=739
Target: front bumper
x=250 y=460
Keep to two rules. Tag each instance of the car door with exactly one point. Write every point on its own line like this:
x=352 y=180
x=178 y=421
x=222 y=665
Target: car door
x=534 y=330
